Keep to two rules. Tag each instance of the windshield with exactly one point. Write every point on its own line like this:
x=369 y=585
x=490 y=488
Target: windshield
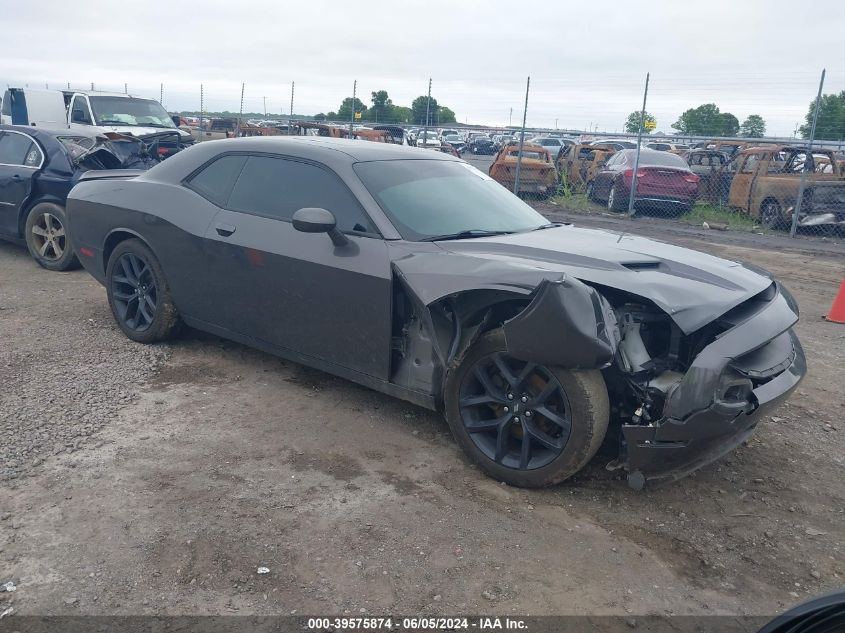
x=452 y=138
x=129 y=111
x=426 y=198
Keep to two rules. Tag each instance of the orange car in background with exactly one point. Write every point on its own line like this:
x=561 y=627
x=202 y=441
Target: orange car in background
x=537 y=173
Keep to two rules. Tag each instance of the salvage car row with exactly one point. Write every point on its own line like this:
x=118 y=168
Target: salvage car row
x=415 y=274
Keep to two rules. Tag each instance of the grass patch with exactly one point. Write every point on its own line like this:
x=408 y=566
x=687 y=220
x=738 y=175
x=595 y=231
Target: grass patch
x=736 y=220
x=569 y=201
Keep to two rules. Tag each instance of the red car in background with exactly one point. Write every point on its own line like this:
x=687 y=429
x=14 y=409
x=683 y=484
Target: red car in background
x=665 y=182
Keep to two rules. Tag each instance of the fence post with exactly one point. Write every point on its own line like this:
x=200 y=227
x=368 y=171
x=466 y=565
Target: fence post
x=633 y=193
x=241 y=111
x=352 y=107
x=521 y=139
x=202 y=107
x=290 y=119
x=807 y=160
x=161 y=94
x=427 y=105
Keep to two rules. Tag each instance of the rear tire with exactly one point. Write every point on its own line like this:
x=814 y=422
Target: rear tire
x=614 y=200
x=139 y=295
x=46 y=237
x=564 y=430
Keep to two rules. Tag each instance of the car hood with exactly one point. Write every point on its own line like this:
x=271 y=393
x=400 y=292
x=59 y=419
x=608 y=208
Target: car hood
x=141 y=132
x=693 y=288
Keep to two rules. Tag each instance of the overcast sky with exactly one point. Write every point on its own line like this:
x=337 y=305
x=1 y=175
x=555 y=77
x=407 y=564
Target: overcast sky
x=587 y=60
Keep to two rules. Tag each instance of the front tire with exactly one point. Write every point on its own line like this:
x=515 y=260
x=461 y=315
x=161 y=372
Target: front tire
x=139 y=295
x=46 y=237
x=771 y=216
x=526 y=424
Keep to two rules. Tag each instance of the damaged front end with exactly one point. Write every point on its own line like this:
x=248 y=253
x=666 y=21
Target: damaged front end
x=687 y=399
x=684 y=389
x=109 y=151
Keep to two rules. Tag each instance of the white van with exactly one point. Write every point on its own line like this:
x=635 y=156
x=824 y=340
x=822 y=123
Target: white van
x=92 y=111
x=39 y=108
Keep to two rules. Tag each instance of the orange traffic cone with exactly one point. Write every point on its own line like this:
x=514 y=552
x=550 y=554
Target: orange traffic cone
x=837 y=310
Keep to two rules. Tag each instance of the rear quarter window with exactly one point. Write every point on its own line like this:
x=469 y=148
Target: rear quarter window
x=214 y=182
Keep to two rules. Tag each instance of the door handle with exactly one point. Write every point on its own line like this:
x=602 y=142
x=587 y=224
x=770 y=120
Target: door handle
x=16 y=177
x=224 y=230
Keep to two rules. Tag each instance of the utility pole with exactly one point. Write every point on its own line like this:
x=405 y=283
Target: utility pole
x=632 y=196
x=510 y=119
x=161 y=94
x=521 y=139
x=427 y=106
x=807 y=160
x=265 y=105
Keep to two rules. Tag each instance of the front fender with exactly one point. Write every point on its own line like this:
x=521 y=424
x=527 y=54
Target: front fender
x=568 y=324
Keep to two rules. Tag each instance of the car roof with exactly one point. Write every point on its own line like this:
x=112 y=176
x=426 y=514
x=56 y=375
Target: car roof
x=41 y=131
x=335 y=153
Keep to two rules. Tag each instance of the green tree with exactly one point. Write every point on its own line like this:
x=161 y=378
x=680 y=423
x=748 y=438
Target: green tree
x=382 y=110
x=754 y=126
x=320 y=116
x=331 y=116
x=632 y=125
x=344 y=112
x=707 y=120
x=401 y=114
x=728 y=124
x=446 y=115
x=418 y=109
x=831 y=123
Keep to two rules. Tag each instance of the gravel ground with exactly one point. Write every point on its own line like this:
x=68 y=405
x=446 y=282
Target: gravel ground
x=64 y=368
x=156 y=480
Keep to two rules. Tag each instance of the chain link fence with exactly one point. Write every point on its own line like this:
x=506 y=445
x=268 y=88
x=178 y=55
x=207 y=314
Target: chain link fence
x=706 y=169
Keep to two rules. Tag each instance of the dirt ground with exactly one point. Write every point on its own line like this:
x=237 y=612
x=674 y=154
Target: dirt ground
x=179 y=470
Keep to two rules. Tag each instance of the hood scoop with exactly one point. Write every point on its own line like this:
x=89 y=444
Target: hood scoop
x=650 y=265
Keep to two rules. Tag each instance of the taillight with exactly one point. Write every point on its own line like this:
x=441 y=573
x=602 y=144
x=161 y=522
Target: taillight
x=692 y=178
x=629 y=173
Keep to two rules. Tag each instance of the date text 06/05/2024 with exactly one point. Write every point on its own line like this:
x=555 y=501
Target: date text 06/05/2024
x=416 y=624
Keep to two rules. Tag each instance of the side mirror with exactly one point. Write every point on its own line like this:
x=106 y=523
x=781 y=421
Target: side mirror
x=316 y=220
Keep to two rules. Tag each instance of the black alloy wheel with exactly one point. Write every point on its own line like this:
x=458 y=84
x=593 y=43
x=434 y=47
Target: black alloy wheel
x=516 y=413
x=139 y=294
x=134 y=292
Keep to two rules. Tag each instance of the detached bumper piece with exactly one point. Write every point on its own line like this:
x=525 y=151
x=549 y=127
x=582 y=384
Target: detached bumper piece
x=733 y=383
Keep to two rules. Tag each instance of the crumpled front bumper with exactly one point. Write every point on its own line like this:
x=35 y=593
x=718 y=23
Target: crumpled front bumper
x=760 y=358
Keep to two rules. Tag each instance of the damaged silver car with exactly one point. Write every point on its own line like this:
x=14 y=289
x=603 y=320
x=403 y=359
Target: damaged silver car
x=417 y=275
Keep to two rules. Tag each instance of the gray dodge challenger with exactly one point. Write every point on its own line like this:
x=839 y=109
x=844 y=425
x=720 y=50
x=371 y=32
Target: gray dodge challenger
x=413 y=273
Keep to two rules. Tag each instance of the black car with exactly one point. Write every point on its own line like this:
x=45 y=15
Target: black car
x=37 y=170
x=417 y=275
x=481 y=145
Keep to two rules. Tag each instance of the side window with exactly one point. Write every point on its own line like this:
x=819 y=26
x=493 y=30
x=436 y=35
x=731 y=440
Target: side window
x=750 y=164
x=278 y=188
x=79 y=111
x=15 y=149
x=215 y=181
